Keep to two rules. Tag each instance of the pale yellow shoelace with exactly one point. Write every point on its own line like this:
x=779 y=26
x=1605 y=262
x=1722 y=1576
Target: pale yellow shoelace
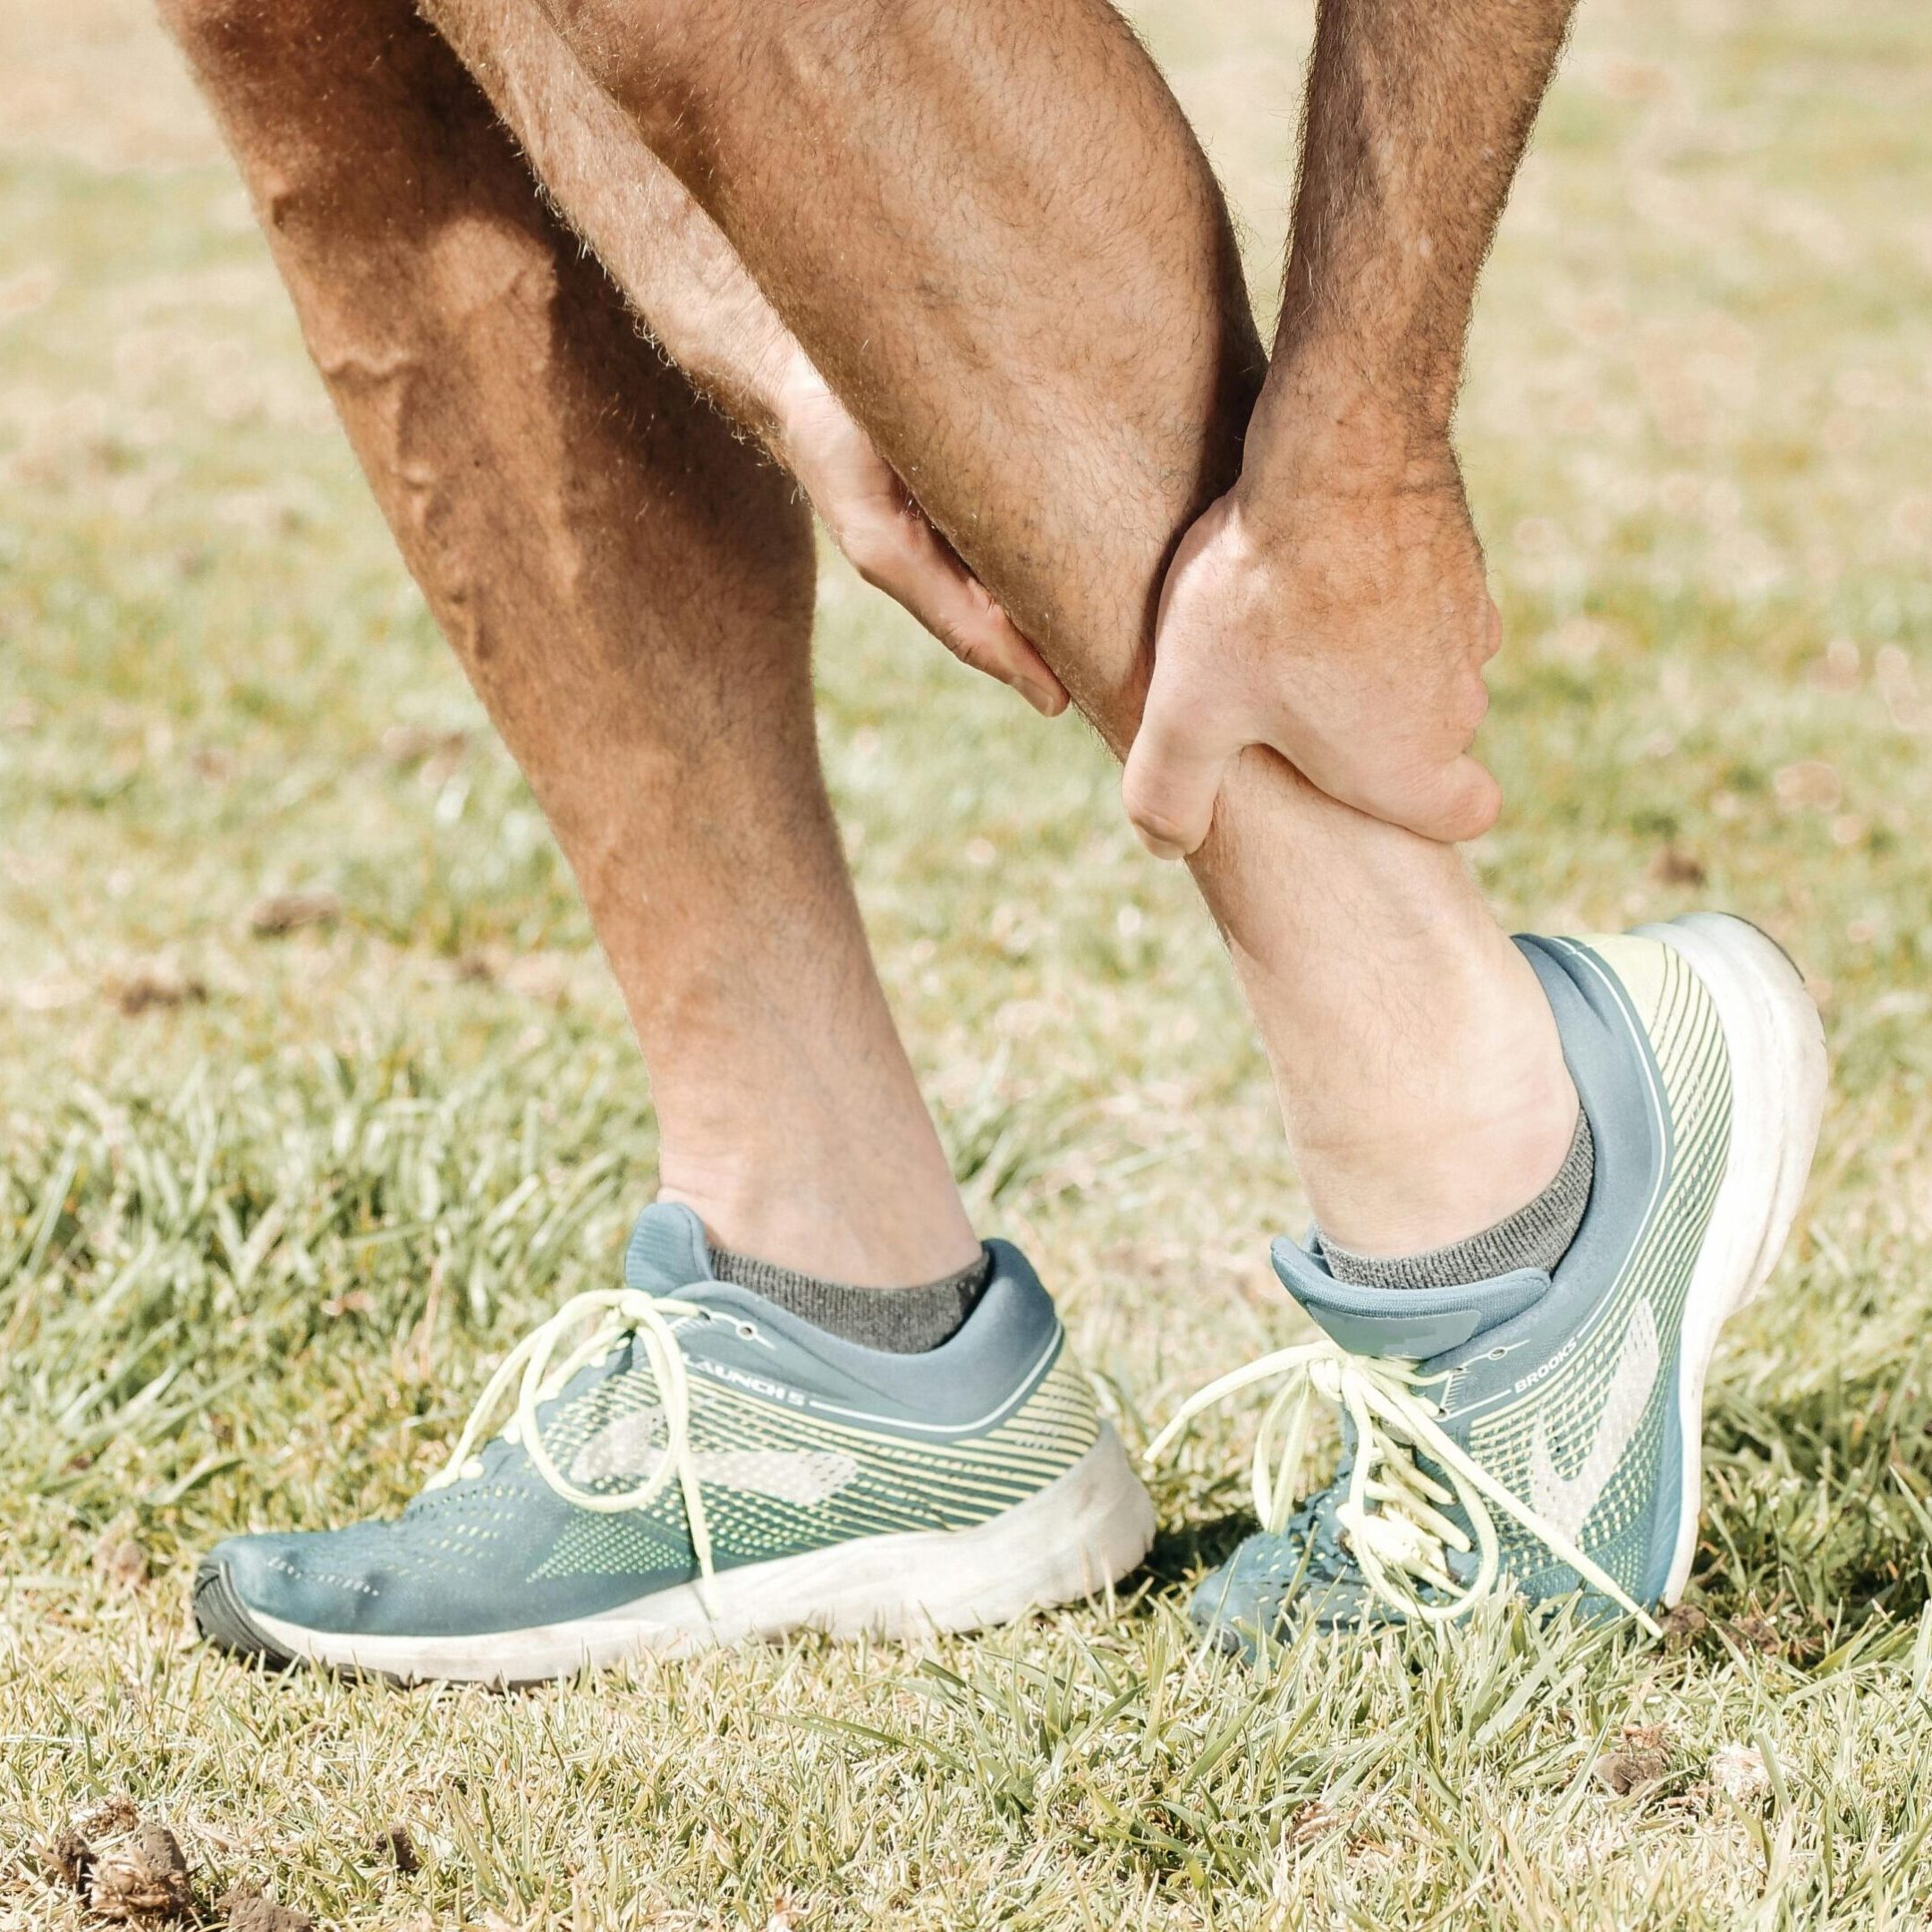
x=1394 y=1512
x=624 y=1311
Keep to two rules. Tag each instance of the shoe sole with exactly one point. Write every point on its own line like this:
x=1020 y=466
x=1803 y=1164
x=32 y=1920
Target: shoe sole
x=1073 y=1540
x=1776 y=1047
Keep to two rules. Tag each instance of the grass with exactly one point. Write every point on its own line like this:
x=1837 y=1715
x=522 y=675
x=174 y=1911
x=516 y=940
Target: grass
x=270 y=1204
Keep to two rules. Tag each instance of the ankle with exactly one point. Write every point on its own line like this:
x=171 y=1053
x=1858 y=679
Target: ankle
x=1457 y=1163
x=837 y=1221
x=1436 y=1136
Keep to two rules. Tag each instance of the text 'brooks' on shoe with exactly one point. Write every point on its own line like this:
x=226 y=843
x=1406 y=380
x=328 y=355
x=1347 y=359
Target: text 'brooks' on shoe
x=688 y=1465
x=1542 y=1432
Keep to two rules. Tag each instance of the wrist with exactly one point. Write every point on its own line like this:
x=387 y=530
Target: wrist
x=1320 y=431
x=792 y=399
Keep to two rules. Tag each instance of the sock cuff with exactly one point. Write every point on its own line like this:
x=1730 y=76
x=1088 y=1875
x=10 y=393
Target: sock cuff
x=902 y=1321
x=1538 y=1235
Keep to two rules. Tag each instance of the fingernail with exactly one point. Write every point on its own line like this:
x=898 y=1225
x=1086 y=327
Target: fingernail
x=1160 y=848
x=1046 y=702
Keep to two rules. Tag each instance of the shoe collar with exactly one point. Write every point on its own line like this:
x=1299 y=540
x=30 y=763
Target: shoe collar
x=989 y=1365
x=1609 y=1057
x=1405 y=1324
x=667 y=1251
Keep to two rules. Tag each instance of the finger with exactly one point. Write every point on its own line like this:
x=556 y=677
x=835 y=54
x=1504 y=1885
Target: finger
x=1473 y=801
x=1489 y=640
x=915 y=566
x=1460 y=803
x=1175 y=770
x=960 y=611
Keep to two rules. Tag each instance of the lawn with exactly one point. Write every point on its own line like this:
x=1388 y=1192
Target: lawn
x=315 y=1093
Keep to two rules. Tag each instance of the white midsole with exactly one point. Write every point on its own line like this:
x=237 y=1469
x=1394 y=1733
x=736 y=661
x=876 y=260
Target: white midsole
x=1074 y=1538
x=1777 y=1049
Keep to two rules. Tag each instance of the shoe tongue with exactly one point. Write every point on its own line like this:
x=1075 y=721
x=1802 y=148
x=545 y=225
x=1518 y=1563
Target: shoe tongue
x=1409 y=1323
x=667 y=1253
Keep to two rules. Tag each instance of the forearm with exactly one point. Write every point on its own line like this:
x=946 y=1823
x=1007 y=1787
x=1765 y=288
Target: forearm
x=707 y=313
x=676 y=268
x=1417 y=117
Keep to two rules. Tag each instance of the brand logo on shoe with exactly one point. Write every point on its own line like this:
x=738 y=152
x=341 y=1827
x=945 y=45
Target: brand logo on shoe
x=627 y=1448
x=1566 y=1501
x=758 y=1385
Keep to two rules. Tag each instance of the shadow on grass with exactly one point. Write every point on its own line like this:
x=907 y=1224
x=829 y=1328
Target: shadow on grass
x=1182 y=1555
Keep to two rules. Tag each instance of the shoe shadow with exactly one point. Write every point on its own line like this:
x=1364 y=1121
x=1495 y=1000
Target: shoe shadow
x=1182 y=1555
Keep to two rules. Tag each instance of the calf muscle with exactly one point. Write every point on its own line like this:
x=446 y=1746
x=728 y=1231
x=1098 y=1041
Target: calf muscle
x=629 y=587
x=993 y=231
x=1048 y=336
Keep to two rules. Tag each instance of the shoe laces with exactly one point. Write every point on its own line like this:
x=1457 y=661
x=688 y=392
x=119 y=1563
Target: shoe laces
x=1393 y=1510
x=619 y=1314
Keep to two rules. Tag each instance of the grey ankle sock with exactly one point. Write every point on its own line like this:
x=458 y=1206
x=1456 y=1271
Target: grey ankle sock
x=1536 y=1236
x=902 y=1321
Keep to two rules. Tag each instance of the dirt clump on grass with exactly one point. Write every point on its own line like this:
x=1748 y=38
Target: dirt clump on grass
x=282 y=913
x=246 y=1910
x=1682 y=1625
x=153 y=986
x=1641 y=1760
x=127 y=1867
x=119 y=1558
x=73 y=1850
x=395 y=1847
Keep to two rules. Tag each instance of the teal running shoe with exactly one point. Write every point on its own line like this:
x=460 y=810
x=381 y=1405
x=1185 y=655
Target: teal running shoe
x=690 y=1465
x=1542 y=1433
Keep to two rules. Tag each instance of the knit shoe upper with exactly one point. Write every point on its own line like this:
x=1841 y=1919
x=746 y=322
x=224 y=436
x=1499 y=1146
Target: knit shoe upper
x=673 y=1462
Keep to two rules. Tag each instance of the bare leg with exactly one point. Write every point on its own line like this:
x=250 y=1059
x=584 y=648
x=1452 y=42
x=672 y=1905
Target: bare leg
x=1014 y=263
x=630 y=592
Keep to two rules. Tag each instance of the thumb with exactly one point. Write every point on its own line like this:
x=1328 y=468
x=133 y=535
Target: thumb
x=1175 y=770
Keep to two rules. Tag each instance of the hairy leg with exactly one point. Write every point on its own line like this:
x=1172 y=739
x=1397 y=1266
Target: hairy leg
x=1014 y=263
x=630 y=590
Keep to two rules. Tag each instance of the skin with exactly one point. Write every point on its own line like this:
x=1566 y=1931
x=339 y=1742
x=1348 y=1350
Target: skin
x=1332 y=604
x=1014 y=271
x=629 y=589
x=711 y=318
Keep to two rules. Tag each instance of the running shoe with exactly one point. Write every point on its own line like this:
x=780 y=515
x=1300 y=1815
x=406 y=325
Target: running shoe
x=1541 y=1433
x=688 y=1465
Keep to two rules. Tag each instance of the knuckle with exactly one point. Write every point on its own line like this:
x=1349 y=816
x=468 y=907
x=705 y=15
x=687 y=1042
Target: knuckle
x=1471 y=706
x=1481 y=802
x=1161 y=829
x=1177 y=706
x=1143 y=792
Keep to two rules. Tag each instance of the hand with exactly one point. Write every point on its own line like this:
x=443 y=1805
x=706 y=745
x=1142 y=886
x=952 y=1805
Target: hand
x=1345 y=624
x=890 y=542
x=715 y=322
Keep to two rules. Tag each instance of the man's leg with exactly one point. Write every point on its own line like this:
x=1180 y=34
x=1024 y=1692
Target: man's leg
x=630 y=590
x=1014 y=263
x=694 y=1458
x=990 y=229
